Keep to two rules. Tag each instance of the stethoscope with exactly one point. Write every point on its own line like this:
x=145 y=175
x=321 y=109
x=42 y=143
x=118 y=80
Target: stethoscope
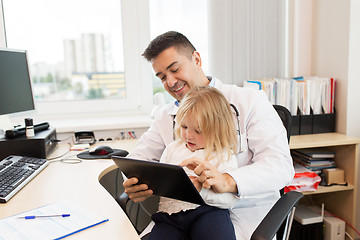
x=240 y=147
x=238 y=130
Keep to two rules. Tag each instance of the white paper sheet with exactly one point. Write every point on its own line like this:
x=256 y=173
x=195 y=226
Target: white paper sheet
x=80 y=219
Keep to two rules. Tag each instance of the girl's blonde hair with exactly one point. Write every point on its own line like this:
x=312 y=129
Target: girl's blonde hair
x=212 y=112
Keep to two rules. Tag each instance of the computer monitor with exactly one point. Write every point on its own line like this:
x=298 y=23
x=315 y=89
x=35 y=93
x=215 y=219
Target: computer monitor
x=16 y=96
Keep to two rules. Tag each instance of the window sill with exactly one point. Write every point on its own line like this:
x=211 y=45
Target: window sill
x=71 y=124
x=101 y=123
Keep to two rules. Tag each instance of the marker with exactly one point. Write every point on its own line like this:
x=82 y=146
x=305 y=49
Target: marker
x=46 y=216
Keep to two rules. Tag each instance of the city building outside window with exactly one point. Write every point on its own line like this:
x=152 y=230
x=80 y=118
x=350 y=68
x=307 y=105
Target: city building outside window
x=76 y=54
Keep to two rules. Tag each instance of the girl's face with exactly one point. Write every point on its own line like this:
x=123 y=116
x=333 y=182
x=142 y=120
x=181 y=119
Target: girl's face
x=191 y=134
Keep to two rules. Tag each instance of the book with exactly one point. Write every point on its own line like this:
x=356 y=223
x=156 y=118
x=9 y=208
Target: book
x=315 y=167
x=17 y=226
x=314 y=153
x=316 y=163
x=305 y=215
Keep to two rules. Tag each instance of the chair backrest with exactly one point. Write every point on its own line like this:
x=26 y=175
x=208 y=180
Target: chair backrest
x=285 y=117
x=139 y=214
x=282 y=211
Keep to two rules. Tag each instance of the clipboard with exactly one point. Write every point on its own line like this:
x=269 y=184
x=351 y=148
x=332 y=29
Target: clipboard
x=164 y=179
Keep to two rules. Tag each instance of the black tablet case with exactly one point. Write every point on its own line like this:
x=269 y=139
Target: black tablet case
x=165 y=180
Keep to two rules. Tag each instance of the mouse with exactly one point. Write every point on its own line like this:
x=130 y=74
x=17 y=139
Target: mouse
x=101 y=150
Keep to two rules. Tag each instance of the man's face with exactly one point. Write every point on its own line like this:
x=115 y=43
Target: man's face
x=179 y=73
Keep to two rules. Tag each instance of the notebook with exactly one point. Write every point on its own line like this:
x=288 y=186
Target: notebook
x=165 y=180
x=17 y=227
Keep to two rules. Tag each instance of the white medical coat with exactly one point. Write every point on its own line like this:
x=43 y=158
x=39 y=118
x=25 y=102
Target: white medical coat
x=265 y=164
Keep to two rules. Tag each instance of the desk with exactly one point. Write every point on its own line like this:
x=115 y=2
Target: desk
x=78 y=184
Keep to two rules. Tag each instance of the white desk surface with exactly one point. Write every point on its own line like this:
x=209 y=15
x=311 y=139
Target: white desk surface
x=78 y=184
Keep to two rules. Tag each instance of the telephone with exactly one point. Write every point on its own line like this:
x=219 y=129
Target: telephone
x=83 y=137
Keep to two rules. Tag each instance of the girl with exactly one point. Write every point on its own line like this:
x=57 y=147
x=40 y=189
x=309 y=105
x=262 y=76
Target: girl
x=204 y=130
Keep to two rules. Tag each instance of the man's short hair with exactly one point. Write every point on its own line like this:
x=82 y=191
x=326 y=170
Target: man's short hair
x=167 y=40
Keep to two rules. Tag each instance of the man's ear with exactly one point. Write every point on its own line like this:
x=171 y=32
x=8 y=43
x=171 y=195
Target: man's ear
x=196 y=57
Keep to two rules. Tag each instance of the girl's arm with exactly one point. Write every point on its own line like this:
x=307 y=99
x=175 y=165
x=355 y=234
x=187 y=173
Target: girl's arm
x=221 y=200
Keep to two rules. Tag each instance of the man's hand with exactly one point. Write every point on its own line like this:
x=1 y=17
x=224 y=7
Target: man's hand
x=137 y=193
x=209 y=176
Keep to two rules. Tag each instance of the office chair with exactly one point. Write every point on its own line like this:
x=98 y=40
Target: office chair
x=282 y=211
x=285 y=117
x=278 y=220
x=140 y=216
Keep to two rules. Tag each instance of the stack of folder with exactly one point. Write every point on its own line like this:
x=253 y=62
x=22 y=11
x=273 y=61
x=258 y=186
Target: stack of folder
x=301 y=94
x=314 y=159
x=309 y=99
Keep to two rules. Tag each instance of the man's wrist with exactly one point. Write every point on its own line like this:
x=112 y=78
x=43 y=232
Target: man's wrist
x=231 y=184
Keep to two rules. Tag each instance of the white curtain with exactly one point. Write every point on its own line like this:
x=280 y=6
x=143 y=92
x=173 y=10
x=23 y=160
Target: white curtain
x=247 y=39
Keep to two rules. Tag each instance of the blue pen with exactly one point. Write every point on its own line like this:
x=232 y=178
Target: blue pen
x=46 y=216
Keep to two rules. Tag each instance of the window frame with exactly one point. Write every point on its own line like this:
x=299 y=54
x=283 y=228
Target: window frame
x=136 y=36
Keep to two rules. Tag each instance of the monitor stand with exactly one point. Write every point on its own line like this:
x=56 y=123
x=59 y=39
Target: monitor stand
x=5 y=124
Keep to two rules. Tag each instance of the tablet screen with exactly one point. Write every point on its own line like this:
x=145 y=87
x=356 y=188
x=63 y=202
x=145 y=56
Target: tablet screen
x=165 y=180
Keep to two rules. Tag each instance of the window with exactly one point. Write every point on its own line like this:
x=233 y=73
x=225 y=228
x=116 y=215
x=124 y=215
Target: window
x=77 y=54
x=86 y=54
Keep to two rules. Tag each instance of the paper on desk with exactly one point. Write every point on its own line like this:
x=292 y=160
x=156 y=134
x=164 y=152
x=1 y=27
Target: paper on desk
x=49 y=228
x=80 y=147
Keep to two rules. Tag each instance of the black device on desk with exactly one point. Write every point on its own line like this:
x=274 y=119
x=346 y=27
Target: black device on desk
x=17 y=132
x=16 y=96
x=41 y=145
x=84 y=137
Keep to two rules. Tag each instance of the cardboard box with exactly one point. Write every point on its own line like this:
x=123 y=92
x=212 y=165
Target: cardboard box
x=334 y=175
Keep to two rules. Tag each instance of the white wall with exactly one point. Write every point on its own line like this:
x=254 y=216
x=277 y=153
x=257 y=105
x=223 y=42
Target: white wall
x=353 y=96
x=336 y=52
x=330 y=50
x=300 y=21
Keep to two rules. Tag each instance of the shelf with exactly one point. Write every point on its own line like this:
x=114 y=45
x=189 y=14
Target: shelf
x=323 y=189
x=321 y=140
x=339 y=200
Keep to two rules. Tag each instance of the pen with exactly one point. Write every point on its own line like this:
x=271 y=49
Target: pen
x=45 y=216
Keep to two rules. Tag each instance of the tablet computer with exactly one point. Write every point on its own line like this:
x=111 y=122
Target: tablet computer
x=165 y=180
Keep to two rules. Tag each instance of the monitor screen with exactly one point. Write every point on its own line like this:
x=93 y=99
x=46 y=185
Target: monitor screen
x=15 y=85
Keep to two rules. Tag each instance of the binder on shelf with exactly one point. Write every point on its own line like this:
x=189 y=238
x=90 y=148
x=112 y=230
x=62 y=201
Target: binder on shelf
x=324 y=123
x=295 y=125
x=314 y=153
x=313 y=123
x=306 y=124
x=305 y=97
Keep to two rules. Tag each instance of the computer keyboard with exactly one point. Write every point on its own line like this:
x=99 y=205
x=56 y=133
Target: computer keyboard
x=16 y=172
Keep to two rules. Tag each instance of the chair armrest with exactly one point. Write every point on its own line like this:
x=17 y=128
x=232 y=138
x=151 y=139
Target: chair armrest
x=272 y=222
x=122 y=200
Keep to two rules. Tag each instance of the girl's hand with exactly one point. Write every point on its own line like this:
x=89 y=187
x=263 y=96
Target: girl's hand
x=209 y=176
x=191 y=163
x=195 y=181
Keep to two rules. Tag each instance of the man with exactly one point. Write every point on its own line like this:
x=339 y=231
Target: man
x=265 y=164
